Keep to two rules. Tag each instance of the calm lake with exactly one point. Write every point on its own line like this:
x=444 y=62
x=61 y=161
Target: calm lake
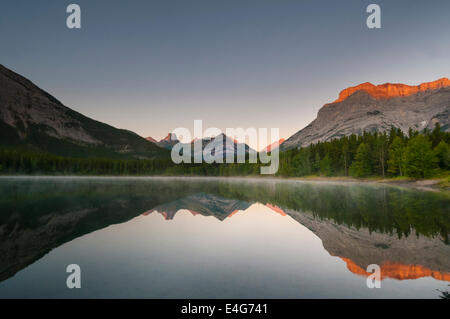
x=220 y=238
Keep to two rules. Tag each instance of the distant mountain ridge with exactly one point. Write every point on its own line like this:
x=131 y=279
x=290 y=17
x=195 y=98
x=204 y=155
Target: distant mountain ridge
x=371 y=108
x=151 y=139
x=32 y=119
x=209 y=144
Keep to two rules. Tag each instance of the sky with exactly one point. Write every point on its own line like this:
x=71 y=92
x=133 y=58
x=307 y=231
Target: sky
x=152 y=66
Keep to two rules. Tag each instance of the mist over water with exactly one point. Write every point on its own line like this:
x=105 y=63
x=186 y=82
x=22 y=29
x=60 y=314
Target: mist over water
x=220 y=238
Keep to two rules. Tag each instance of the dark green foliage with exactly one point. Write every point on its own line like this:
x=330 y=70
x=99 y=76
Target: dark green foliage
x=325 y=166
x=420 y=160
x=361 y=166
x=396 y=162
x=302 y=163
x=442 y=152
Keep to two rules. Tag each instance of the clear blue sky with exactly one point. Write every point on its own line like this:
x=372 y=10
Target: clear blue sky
x=152 y=66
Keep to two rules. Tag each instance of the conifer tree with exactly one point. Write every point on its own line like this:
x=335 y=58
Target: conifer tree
x=361 y=165
x=420 y=160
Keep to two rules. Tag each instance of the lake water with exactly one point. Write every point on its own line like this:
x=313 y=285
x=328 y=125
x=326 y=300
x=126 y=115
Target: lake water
x=220 y=238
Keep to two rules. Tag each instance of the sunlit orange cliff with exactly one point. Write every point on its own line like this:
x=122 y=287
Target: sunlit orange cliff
x=391 y=90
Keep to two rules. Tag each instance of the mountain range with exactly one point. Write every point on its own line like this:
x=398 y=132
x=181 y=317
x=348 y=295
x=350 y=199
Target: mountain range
x=31 y=119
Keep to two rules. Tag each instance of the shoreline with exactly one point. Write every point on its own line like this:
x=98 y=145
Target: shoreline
x=431 y=184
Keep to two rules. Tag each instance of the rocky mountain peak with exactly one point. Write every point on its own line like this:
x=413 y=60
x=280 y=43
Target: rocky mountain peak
x=170 y=137
x=370 y=108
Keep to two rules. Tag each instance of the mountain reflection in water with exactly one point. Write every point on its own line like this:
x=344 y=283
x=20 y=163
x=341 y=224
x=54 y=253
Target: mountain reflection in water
x=390 y=252
x=402 y=230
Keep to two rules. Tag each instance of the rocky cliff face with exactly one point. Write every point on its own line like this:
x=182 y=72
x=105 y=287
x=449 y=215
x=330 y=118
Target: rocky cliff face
x=23 y=104
x=31 y=118
x=391 y=90
x=370 y=108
